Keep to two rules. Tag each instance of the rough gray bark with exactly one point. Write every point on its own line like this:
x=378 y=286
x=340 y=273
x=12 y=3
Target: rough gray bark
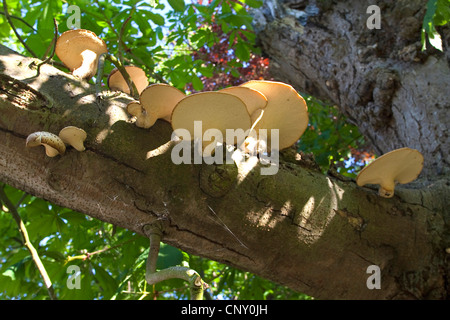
x=396 y=94
x=313 y=232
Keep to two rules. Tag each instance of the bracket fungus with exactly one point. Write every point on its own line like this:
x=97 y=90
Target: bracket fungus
x=79 y=50
x=286 y=111
x=398 y=166
x=254 y=100
x=52 y=143
x=73 y=136
x=215 y=110
x=155 y=102
x=116 y=81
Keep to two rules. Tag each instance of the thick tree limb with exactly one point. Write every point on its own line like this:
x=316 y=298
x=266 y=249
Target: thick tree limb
x=312 y=232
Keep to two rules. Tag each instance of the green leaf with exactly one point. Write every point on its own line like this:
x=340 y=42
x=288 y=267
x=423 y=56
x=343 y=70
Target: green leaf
x=107 y=283
x=437 y=12
x=10 y=272
x=253 y=3
x=156 y=18
x=428 y=19
x=197 y=83
x=56 y=255
x=242 y=51
x=207 y=71
x=144 y=26
x=17 y=270
x=177 y=5
x=442 y=14
x=168 y=256
x=73 y=216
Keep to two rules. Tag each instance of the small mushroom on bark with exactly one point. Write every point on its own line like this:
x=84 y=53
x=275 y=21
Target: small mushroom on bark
x=53 y=144
x=155 y=102
x=79 y=50
x=73 y=136
x=56 y=144
x=398 y=166
x=116 y=82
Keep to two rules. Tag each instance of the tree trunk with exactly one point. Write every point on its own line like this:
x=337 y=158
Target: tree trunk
x=318 y=234
x=396 y=94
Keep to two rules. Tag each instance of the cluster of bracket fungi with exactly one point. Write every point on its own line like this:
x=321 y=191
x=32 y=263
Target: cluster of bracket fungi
x=252 y=106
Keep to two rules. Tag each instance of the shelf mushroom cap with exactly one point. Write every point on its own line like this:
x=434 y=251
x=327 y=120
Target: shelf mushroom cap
x=73 y=136
x=52 y=143
x=398 y=166
x=286 y=111
x=155 y=102
x=79 y=51
x=116 y=81
x=254 y=100
x=216 y=110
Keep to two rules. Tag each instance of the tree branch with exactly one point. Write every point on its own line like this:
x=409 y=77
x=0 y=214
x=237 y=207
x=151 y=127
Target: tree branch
x=8 y=18
x=50 y=57
x=196 y=284
x=120 y=42
x=131 y=85
x=21 y=20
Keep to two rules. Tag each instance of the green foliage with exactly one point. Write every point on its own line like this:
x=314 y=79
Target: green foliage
x=438 y=14
x=158 y=36
x=330 y=137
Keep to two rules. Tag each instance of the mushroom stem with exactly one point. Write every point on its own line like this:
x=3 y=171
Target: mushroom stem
x=386 y=189
x=196 y=284
x=151 y=118
x=385 y=193
x=89 y=65
x=157 y=101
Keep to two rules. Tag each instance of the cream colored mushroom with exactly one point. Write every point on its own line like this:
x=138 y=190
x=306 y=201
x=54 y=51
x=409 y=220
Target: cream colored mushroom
x=215 y=110
x=286 y=111
x=116 y=81
x=254 y=100
x=398 y=166
x=156 y=101
x=79 y=50
x=52 y=143
x=73 y=136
